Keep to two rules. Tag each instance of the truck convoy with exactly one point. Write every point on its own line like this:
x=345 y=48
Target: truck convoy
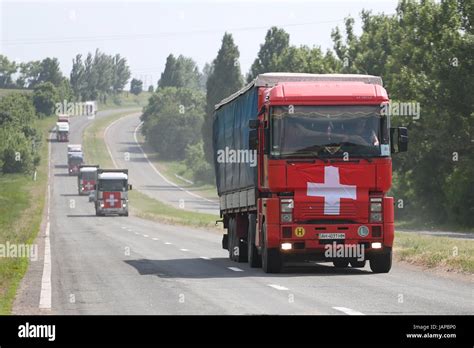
x=86 y=178
x=75 y=157
x=111 y=192
x=302 y=164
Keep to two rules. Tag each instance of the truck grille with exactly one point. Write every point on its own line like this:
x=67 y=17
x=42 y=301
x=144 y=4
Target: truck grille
x=314 y=210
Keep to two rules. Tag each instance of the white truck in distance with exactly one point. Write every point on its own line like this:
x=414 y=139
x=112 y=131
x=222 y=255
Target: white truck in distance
x=111 y=192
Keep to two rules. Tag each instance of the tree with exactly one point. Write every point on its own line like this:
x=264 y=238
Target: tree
x=136 y=86
x=76 y=77
x=7 y=69
x=225 y=78
x=151 y=89
x=275 y=46
x=180 y=72
x=121 y=73
x=171 y=118
x=45 y=97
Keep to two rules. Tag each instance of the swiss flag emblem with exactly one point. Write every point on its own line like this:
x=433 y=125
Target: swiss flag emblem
x=332 y=191
x=88 y=185
x=112 y=199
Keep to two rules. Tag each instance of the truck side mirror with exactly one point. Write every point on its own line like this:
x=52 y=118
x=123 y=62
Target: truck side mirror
x=402 y=139
x=401 y=135
x=91 y=196
x=253 y=139
x=129 y=187
x=253 y=124
x=95 y=187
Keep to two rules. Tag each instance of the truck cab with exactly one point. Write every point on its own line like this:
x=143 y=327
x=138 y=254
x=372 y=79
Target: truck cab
x=111 y=192
x=62 y=131
x=86 y=178
x=75 y=158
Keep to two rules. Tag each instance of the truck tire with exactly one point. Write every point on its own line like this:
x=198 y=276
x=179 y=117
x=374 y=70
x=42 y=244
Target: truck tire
x=230 y=238
x=357 y=264
x=239 y=247
x=341 y=263
x=381 y=263
x=271 y=258
x=255 y=261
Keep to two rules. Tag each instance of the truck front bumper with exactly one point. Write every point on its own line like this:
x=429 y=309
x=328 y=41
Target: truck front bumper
x=312 y=241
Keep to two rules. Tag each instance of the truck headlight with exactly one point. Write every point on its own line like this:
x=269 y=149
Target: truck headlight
x=376 y=209
x=286 y=209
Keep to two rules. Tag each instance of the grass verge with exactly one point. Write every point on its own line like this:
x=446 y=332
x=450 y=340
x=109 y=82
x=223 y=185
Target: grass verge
x=22 y=203
x=448 y=254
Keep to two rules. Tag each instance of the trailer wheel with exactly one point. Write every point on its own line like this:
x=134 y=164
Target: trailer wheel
x=341 y=263
x=357 y=264
x=271 y=258
x=255 y=261
x=381 y=263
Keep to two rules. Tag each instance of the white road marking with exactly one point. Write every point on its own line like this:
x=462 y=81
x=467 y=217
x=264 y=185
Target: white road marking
x=145 y=235
x=205 y=258
x=155 y=238
x=123 y=227
x=278 y=287
x=168 y=243
x=135 y=232
x=158 y=172
x=348 y=311
x=235 y=269
x=184 y=249
x=46 y=292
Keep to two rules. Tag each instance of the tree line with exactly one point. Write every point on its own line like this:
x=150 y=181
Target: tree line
x=423 y=52
x=37 y=87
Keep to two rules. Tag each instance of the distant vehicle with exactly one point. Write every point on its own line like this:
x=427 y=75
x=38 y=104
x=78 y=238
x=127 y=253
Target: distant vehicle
x=91 y=108
x=62 y=131
x=74 y=160
x=74 y=148
x=63 y=118
x=111 y=192
x=86 y=178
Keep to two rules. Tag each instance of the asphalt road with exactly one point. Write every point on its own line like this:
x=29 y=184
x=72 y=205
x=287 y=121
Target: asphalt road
x=126 y=265
x=121 y=139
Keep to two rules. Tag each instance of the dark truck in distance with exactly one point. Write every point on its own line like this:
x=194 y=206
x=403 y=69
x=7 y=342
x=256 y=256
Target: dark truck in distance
x=303 y=164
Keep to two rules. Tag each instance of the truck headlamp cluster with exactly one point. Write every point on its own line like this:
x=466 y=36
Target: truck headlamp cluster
x=376 y=209
x=286 y=209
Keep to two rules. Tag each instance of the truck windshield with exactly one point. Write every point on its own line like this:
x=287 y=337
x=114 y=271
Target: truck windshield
x=75 y=160
x=112 y=185
x=88 y=176
x=328 y=131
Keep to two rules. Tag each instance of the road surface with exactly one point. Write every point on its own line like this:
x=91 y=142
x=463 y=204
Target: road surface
x=126 y=265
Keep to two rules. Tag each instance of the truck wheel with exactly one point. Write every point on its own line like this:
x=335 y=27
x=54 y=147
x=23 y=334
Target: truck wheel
x=255 y=261
x=271 y=259
x=357 y=264
x=341 y=263
x=381 y=263
x=126 y=214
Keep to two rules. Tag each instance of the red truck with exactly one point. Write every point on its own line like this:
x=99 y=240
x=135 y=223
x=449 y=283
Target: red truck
x=303 y=166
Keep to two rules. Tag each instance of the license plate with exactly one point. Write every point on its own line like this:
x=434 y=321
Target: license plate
x=332 y=236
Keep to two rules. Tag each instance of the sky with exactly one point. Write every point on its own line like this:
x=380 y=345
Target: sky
x=146 y=32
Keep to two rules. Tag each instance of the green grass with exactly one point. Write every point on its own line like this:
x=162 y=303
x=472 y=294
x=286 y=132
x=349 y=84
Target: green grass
x=152 y=209
x=125 y=99
x=22 y=203
x=140 y=204
x=444 y=253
